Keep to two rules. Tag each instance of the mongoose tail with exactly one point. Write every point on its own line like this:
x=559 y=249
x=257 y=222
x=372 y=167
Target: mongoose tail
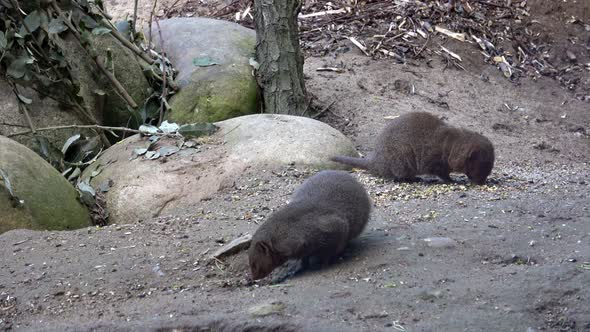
x=362 y=163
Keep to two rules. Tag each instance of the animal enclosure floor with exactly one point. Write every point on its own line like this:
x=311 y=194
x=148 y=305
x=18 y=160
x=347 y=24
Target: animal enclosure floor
x=513 y=255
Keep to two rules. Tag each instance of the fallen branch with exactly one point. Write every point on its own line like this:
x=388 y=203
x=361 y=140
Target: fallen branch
x=123 y=129
x=23 y=107
x=326 y=12
x=118 y=36
x=423 y=46
x=487 y=3
x=134 y=22
x=164 y=74
x=8 y=124
x=150 y=23
x=358 y=44
x=327 y=108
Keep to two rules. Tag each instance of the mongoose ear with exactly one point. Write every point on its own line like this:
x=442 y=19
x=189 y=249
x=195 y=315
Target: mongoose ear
x=263 y=248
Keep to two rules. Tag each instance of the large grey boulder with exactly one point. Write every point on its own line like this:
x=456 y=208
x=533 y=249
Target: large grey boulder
x=142 y=188
x=212 y=57
x=275 y=139
x=47 y=200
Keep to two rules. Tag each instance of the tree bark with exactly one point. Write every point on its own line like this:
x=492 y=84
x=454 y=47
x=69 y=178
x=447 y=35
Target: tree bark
x=280 y=74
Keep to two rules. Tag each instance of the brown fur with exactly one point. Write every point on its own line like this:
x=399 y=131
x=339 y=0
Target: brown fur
x=326 y=211
x=419 y=143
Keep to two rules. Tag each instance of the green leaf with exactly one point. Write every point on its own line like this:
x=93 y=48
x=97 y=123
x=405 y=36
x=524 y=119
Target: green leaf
x=123 y=27
x=50 y=153
x=168 y=128
x=98 y=31
x=197 y=129
x=204 y=62
x=57 y=26
x=87 y=193
x=69 y=142
x=148 y=129
x=140 y=151
x=5 y=181
x=88 y=21
x=59 y=58
x=80 y=150
x=18 y=67
x=95 y=173
x=134 y=118
x=254 y=63
x=33 y=21
x=75 y=174
x=152 y=155
x=44 y=20
x=85 y=38
x=168 y=150
x=25 y=99
x=150 y=109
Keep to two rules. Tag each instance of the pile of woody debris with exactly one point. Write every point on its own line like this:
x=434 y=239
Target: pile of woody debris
x=408 y=30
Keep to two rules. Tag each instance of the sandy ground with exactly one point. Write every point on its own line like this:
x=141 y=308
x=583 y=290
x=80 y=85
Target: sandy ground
x=513 y=255
x=516 y=260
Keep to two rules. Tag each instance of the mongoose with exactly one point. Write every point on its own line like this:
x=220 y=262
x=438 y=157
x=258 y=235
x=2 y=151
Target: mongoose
x=325 y=212
x=419 y=143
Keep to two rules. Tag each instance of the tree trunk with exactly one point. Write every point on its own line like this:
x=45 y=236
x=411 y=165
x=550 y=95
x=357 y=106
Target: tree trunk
x=280 y=74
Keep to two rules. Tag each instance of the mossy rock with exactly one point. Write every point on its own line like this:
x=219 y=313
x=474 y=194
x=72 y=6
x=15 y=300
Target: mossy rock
x=49 y=201
x=215 y=76
x=142 y=189
x=280 y=139
x=215 y=95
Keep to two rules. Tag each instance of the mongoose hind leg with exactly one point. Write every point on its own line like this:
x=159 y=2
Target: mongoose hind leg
x=402 y=173
x=446 y=178
x=305 y=263
x=407 y=179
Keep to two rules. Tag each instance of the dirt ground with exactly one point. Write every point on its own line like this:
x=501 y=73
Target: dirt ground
x=512 y=255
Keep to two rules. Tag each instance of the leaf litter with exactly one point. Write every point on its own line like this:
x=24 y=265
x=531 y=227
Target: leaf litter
x=411 y=31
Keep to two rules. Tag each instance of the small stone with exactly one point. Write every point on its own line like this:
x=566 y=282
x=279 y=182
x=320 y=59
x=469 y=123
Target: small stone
x=571 y=56
x=376 y=315
x=236 y=245
x=269 y=308
x=440 y=242
x=431 y=295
